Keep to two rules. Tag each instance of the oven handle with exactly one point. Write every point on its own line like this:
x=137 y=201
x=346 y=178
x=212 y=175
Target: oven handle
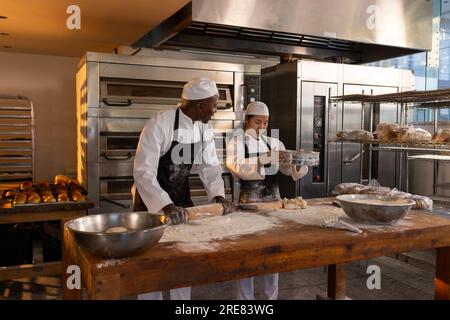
x=117 y=104
x=117 y=158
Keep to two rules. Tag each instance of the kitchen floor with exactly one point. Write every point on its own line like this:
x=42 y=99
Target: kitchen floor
x=403 y=276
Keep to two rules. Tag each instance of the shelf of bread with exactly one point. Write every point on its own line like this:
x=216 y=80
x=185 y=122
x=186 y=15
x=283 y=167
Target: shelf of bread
x=392 y=134
x=63 y=190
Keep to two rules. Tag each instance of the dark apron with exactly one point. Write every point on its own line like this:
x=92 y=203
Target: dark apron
x=259 y=190
x=173 y=178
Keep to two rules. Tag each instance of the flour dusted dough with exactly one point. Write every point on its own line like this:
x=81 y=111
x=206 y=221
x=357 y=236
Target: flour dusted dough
x=116 y=230
x=296 y=203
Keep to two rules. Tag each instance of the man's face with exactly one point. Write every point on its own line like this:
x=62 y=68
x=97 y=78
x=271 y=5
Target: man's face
x=208 y=108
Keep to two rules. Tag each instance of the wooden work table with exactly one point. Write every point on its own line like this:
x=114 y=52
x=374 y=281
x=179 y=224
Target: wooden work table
x=285 y=248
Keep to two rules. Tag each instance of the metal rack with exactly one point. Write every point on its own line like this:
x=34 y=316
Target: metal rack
x=16 y=139
x=434 y=99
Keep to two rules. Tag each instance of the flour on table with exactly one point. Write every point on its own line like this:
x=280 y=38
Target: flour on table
x=314 y=215
x=219 y=227
x=110 y=263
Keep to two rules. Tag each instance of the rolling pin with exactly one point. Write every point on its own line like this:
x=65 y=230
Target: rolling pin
x=216 y=209
x=207 y=210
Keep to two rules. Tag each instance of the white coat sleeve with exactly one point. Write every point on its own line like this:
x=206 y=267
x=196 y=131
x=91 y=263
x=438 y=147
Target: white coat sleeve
x=294 y=171
x=245 y=169
x=210 y=170
x=153 y=138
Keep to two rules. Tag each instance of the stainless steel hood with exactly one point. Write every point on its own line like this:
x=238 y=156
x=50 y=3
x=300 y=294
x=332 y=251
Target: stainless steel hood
x=352 y=31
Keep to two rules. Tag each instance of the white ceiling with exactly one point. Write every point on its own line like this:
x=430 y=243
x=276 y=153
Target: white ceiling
x=39 y=26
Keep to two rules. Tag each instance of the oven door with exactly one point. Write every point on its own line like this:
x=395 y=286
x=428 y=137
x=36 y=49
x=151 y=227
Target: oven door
x=151 y=94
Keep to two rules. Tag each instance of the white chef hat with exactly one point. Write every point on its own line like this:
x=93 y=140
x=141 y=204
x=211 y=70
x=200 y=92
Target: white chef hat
x=199 y=88
x=257 y=108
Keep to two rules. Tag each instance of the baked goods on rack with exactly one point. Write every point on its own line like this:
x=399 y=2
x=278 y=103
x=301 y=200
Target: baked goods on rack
x=411 y=134
x=387 y=131
x=442 y=135
x=358 y=135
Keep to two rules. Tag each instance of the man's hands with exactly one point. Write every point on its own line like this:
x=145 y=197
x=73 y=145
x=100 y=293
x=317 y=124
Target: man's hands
x=176 y=214
x=228 y=206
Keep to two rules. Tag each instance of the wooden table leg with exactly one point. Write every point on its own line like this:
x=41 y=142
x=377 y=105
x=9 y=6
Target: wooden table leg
x=68 y=259
x=336 y=281
x=442 y=278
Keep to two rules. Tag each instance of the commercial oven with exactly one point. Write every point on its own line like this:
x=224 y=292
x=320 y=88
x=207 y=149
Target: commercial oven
x=117 y=94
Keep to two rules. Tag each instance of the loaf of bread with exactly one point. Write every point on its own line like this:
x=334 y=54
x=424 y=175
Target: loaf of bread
x=21 y=198
x=387 y=131
x=33 y=197
x=77 y=196
x=442 y=135
x=359 y=135
x=410 y=134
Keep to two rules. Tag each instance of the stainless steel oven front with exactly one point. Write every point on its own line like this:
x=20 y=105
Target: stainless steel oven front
x=116 y=95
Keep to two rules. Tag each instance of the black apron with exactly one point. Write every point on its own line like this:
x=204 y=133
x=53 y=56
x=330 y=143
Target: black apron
x=259 y=190
x=174 y=177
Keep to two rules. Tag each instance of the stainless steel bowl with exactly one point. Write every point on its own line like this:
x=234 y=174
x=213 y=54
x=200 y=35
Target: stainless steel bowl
x=144 y=231
x=376 y=209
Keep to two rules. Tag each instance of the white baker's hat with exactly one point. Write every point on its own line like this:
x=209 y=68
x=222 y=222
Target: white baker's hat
x=257 y=108
x=199 y=88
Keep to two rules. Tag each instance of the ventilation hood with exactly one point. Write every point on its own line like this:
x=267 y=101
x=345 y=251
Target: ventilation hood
x=352 y=31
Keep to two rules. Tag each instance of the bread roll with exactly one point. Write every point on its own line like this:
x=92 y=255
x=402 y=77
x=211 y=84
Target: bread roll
x=10 y=193
x=26 y=185
x=62 y=178
x=77 y=196
x=47 y=197
x=33 y=197
x=63 y=197
x=21 y=198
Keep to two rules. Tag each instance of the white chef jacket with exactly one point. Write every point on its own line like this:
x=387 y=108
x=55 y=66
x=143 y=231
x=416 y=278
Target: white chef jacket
x=248 y=168
x=156 y=139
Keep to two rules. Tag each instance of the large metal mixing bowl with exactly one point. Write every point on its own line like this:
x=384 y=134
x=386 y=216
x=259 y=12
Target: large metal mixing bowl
x=144 y=231
x=375 y=209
